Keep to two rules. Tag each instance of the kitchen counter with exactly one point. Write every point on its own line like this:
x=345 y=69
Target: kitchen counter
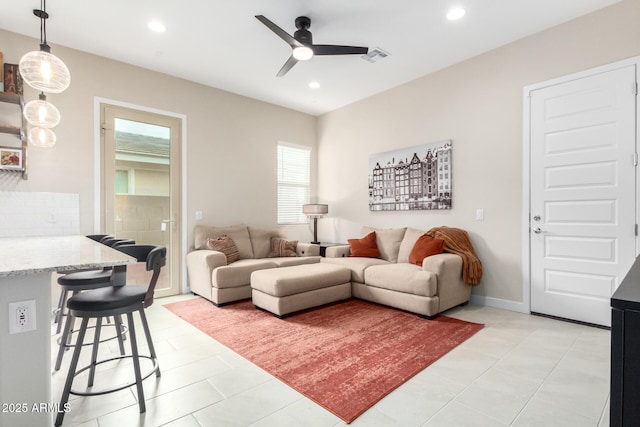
x=26 y=264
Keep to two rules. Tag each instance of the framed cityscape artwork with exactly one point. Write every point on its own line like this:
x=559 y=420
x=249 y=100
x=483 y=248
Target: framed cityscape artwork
x=413 y=178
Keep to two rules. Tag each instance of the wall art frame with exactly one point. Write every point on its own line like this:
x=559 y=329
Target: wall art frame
x=412 y=178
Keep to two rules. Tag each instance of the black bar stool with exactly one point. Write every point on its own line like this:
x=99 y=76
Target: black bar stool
x=85 y=280
x=114 y=301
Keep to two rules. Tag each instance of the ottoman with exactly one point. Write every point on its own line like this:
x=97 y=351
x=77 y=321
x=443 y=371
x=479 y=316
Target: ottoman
x=285 y=290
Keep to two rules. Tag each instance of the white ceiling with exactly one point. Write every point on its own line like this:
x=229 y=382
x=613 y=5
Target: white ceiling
x=219 y=43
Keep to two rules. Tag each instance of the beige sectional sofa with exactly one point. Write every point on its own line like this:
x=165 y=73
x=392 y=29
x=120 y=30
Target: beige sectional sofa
x=211 y=277
x=391 y=280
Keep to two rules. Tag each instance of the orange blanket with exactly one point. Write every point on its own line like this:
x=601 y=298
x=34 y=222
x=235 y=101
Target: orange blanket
x=456 y=241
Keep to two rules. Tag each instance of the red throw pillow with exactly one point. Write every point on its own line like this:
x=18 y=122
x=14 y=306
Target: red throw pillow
x=365 y=247
x=425 y=246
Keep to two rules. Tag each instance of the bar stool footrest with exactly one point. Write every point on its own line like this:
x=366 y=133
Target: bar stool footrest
x=124 y=330
x=153 y=370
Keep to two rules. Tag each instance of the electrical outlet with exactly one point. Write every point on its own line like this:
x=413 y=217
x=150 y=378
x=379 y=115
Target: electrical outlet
x=22 y=316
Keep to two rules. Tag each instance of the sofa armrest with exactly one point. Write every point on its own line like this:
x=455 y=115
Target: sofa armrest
x=308 y=249
x=338 y=251
x=200 y=265
x=452 y=290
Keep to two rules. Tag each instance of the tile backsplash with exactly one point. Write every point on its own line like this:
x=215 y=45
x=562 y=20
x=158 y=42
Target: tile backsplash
x=39 y=214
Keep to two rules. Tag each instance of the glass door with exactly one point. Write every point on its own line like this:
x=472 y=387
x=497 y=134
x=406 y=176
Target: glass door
x=141 y=184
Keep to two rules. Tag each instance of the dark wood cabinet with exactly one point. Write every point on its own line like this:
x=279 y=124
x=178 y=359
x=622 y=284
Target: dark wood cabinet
x=625 y=351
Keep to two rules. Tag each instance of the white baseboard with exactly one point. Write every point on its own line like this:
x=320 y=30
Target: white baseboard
x=499 y=303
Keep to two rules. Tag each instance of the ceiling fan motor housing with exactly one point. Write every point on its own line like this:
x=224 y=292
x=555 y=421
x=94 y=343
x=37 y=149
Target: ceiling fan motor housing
x=303 y=35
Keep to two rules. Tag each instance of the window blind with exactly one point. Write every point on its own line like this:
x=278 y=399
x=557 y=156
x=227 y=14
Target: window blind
x=293 y=182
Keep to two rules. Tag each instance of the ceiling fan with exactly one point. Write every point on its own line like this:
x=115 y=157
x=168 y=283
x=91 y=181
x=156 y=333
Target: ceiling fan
x=302 y=44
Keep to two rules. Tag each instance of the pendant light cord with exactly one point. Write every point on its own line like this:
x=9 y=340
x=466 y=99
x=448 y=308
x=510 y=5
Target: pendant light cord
x=43 y=22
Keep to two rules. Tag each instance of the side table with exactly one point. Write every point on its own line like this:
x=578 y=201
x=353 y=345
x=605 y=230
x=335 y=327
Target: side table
x=324 y=246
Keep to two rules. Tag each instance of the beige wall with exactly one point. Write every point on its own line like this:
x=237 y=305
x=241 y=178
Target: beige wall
x=478 y=105
x=231 y=152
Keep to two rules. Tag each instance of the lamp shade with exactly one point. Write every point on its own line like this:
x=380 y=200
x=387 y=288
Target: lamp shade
x=44 y=71
x=41 y=113
x=41 y=137
x=315 y=209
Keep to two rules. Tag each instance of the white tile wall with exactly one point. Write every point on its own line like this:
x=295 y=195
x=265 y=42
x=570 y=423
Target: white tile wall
x=39 y=214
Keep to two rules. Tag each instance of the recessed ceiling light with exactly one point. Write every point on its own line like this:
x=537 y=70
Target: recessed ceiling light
x=157 y=26
x=455 y=13
x=314 y=85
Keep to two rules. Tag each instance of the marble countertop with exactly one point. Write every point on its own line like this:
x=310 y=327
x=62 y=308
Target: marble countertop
x=32 y=255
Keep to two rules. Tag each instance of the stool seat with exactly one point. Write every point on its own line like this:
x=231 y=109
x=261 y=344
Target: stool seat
x=86 y=279
x=111 y=298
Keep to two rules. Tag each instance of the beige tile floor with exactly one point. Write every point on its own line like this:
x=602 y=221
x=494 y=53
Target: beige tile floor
x=519 y=370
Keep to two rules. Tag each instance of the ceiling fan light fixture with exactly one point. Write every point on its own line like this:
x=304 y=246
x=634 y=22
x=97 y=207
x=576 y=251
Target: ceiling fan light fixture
x=303 y=53
x=41 y=113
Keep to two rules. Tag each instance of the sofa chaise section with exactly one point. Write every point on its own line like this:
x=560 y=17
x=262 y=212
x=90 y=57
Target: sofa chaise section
x=392 y=280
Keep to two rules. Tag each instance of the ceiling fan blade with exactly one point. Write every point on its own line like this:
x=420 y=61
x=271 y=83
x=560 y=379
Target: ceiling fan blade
x=331 y=49
x=279 y=31
x=287 y=66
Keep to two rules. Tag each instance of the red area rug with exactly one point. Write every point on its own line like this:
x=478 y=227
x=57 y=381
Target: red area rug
x=345 y=357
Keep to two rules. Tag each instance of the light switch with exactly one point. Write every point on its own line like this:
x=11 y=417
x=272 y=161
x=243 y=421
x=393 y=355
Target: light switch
x=198 y=215
x=479 y=214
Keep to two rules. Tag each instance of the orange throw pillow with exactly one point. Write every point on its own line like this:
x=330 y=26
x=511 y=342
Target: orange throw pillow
x=365 y=247
x=425 y=246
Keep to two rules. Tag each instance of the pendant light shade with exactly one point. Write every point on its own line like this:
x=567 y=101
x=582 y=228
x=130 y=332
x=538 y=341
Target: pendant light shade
x=43 y=71
x=40 y=69
x=41 y=113
x=41 y=137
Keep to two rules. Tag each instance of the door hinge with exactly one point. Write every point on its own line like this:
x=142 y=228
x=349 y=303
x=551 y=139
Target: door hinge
x=634 y=88
x=635 y=159
x=636 y=229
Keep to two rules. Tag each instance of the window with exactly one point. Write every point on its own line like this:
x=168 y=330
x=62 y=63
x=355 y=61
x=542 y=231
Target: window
x=293 y=182
x=122 y=181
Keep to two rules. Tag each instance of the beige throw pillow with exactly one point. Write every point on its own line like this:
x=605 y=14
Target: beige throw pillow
x=226 y=245
x=283 y=248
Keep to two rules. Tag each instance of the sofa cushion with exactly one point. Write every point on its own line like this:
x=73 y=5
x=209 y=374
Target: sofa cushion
x=283 y=248
x=225 y=245
x=403 y=277
x=365 y=247
x=238 y=233
x=408 y=242
x=425 y=246
x=356 y=265
x=388 y=241
x=238 y=273
x=261 y=240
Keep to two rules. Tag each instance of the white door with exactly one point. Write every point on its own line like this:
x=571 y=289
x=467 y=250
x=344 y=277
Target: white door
x=141 y=185
x=582 y=194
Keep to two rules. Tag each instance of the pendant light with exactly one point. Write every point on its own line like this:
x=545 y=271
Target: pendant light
x=41 y=137
x=41 y=113
x=40 y=69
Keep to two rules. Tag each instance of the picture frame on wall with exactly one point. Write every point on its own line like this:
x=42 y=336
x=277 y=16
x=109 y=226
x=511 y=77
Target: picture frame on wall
x=12 y=79
x=413 y=178
x=10 y=158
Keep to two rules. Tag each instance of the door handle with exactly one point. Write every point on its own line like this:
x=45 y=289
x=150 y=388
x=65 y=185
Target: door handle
x=537 y=230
